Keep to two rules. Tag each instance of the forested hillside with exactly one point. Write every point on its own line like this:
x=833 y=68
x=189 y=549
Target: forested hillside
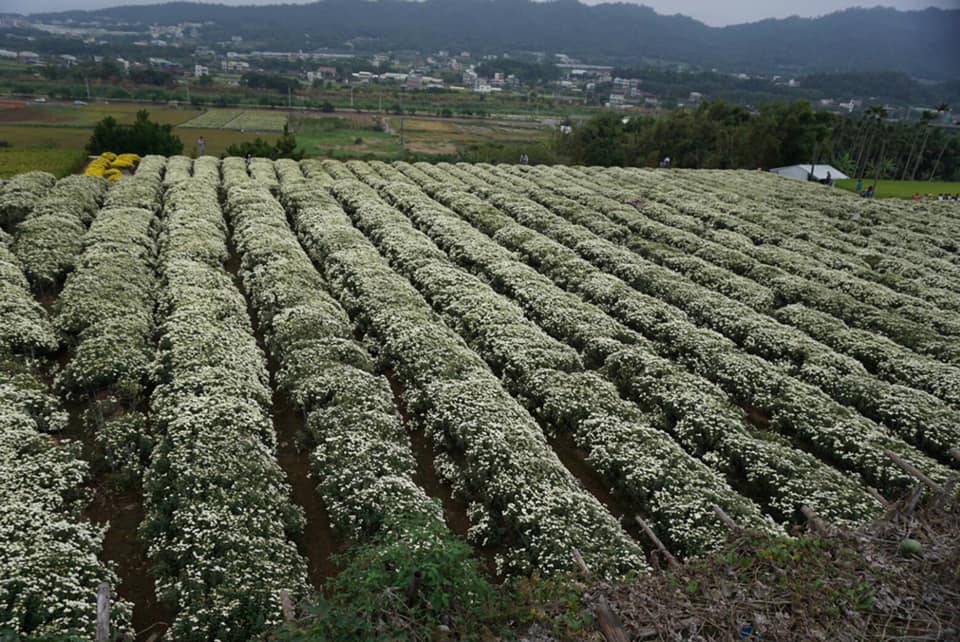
x=922 y=43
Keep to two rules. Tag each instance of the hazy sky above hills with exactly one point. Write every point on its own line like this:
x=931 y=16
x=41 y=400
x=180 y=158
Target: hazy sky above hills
x=712 y=12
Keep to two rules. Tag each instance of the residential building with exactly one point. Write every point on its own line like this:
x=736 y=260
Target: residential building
x=235 y=65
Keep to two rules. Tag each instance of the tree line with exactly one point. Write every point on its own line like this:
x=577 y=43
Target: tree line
x=719 y=135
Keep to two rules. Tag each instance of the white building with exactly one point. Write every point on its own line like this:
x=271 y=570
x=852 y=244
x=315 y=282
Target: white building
x=234 y=65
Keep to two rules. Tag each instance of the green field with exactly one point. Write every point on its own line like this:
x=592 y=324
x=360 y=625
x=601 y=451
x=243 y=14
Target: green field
x=345 y=137
x=903 y=189
x=59 y=162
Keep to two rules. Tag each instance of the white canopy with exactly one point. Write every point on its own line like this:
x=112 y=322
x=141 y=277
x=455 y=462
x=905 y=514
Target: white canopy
x=800 y=172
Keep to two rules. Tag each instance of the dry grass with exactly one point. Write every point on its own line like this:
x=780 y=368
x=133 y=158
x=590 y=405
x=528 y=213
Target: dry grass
x=836 y=585
x=66 y=115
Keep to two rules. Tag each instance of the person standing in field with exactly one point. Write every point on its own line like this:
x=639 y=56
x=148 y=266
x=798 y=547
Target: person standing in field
x=201 y=146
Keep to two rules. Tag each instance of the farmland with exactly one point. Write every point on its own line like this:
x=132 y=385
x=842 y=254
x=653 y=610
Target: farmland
x=41 y=129
x=273 y=362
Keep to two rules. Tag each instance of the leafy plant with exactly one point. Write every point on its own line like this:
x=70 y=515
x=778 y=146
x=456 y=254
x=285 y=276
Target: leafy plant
x=402 y=584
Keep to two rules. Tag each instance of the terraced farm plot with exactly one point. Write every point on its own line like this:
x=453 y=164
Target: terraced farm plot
x=514 y=359
x=213 y=118
x=259 y=121
x=247 y=120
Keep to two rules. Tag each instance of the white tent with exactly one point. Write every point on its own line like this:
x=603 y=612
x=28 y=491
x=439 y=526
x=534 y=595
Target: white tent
x=800 y=172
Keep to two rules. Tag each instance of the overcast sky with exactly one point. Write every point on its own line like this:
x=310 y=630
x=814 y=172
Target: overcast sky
x=712 y=12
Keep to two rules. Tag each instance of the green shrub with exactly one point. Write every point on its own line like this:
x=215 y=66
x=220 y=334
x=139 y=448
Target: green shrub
x=376 y=595
x=142 y=137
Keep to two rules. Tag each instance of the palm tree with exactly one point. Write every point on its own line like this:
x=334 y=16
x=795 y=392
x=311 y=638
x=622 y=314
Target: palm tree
x=913 y=145
x=941 y=108
x=927 y=116
x=860 y=140
x=876 y=115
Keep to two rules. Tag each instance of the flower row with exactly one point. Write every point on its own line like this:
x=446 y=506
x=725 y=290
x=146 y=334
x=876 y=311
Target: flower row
x=802 y=412
x=921 y=419
x=24 y=328
x=179 y=168
x=19 y=195
x=105 y=314
x=694 y=411
x=144 y=192
x=362 y=459
x=218 y=513
x=50 y=238
x=262 y=171
x=640 y=461
x=490 y=448
x=49 y=556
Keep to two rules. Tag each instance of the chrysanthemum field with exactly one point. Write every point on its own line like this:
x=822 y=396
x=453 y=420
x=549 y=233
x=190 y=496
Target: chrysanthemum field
x=274 y=362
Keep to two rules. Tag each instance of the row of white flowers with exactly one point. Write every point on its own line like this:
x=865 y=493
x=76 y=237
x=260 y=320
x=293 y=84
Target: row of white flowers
x=105 y=314
x=920 y=234
x=262 y=171
x=491 y=450
x=803 y=412
x=49 y=556
x=854 y=232
x=337 y=170
x=640 y=461
x=881 y=356
x=142 y=193
x=920 y=418
x=695 y=411
x=845 y=253
x=362 y=459
x=783 y=270
x=24 y=328
x=218 y=513
x=20 y=194
x=178 y=169
x=50 y=238
x=876 y=249
x=106 y=308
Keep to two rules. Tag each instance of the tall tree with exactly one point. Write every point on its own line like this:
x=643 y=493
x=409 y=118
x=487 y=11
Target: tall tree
x=927 y=116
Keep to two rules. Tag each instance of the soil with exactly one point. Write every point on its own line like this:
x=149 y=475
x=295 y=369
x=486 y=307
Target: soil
x=122 y=510
x=318 y=542
x=454 y=509
x=573 y=459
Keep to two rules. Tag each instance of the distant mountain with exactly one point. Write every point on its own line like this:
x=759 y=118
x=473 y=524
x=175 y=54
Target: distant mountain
x=924 y=43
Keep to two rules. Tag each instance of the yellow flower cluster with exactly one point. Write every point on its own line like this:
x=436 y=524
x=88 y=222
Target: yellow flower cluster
x=110 y=166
